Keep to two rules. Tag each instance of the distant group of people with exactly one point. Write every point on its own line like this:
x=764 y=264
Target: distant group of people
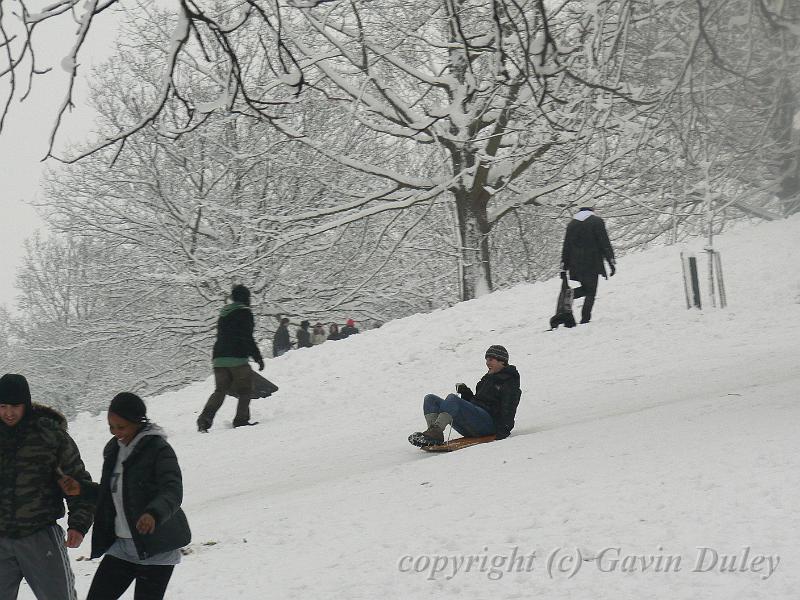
x=306 y=338
x=139 y=527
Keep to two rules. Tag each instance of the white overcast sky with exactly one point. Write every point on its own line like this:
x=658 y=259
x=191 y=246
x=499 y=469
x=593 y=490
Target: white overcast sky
x=24 y=140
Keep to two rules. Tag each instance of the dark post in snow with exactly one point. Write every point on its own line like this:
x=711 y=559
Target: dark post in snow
x=723 y=298
x=715 y=281
x=691 y=282
x=711 y=286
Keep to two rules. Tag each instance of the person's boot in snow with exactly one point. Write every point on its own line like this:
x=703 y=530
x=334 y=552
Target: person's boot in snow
x=434 y=434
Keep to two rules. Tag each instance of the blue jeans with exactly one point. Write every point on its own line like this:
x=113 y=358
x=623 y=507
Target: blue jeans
x=468 y=420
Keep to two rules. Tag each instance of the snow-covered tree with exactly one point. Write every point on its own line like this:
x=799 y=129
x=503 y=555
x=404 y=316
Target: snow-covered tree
x=725 y=143
x=490 y=105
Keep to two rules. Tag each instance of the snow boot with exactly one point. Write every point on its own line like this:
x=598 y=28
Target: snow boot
x=421 y=439
x=434 y=434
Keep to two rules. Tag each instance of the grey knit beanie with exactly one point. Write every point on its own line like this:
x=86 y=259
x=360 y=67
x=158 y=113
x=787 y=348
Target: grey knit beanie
x=498 y=352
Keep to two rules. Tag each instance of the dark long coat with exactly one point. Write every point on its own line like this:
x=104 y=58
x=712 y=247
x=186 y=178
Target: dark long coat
x=586 y=245
x=281 y=340
x=303 y=338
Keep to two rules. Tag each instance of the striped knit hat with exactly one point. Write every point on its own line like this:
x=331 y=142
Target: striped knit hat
x=498 y=352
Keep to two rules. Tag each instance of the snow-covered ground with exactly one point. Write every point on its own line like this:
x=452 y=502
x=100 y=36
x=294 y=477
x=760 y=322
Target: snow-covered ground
x=648 y=444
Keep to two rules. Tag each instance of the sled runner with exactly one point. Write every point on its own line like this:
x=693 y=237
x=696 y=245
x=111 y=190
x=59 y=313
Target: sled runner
x=459 y=443
x=563 y=314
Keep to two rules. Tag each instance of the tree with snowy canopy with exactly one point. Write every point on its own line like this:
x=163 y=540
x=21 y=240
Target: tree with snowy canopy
x=504 y=104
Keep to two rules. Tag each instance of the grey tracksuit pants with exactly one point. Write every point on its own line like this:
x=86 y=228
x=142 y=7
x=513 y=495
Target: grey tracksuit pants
x=41 y=558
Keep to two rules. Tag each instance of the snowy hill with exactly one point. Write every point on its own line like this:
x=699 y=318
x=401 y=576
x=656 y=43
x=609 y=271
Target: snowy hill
x=648 y=435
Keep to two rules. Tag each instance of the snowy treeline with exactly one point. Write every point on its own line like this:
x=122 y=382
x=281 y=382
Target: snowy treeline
x=376 y=158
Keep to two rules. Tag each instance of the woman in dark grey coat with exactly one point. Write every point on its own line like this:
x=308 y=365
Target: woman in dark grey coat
x=139 y=525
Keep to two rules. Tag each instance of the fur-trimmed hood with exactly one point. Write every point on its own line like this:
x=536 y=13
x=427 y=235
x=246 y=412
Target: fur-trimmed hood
x=34 y=450
x=40 y=412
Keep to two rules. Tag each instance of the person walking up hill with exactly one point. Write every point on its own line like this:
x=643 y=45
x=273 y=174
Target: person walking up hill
x=234 y=347
x=586 y=245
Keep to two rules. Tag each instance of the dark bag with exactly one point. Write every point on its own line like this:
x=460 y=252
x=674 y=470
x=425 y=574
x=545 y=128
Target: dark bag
x=262 y=387
x=563 y=314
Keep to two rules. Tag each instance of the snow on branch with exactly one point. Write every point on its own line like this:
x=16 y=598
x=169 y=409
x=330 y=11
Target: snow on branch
x=358 y=165
x=411 y=198
x=178 y=39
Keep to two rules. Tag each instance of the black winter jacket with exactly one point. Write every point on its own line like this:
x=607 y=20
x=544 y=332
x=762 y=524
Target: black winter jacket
x=347 y=331
x=281 y=340
x=498 y=394
x=151 y=483
x=303 y=338
x=586 y=244
x=235 y=333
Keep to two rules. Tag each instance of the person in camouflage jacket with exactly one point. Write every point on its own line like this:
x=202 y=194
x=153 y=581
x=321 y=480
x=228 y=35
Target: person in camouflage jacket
x=35 y=452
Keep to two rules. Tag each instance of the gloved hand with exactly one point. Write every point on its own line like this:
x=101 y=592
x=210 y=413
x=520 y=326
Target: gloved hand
x=613 y=266
x=260 y=362
x=462 y=389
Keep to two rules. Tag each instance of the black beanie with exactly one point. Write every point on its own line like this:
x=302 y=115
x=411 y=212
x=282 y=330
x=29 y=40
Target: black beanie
x=129 y=406
x=14 y=390
x=498 y=352
x=240 y=293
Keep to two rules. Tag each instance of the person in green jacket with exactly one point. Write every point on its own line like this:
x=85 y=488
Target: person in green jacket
x=233 y=348
x=35 y=453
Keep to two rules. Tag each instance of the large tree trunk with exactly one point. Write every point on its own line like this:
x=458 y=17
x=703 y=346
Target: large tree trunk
x=789 y=189
x=473 y=231
x=473 y=225
x=788 y=111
